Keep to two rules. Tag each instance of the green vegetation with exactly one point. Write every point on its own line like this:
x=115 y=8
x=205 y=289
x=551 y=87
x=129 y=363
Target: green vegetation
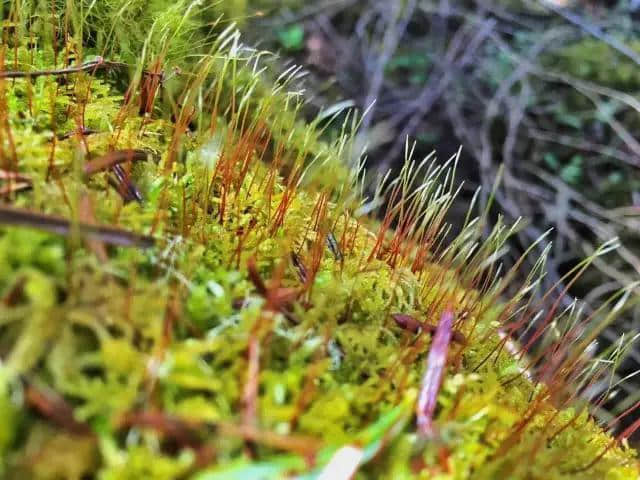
x=246 y=330
x=545 y=92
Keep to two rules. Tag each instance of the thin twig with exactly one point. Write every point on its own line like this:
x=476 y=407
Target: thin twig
x=50 y=223
x=90 y=66
x=112 y=159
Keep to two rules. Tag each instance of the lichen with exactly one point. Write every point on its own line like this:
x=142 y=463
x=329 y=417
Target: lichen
x=150 y=349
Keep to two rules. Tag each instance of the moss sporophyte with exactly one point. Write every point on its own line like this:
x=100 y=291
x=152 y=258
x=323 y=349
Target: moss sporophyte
x=194 y=285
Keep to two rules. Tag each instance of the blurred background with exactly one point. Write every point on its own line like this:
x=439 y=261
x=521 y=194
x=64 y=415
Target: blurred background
x=546 y=92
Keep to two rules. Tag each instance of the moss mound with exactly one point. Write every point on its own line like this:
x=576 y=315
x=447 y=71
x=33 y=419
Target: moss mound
x=190 y=289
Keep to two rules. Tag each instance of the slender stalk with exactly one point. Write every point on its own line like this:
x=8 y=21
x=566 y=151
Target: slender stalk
x=49 y=223
x=90 y=66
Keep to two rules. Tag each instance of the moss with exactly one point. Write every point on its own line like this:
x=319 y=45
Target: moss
x=579 y=59
x=164 y=333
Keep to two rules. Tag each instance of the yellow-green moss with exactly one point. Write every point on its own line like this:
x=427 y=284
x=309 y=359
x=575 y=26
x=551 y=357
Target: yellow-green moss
x=335 y=368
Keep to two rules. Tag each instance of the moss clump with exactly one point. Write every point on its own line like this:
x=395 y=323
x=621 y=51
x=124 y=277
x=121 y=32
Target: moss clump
x=254 y=338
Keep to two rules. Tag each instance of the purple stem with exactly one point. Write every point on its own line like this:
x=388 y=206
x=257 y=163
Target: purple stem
x=436 y=363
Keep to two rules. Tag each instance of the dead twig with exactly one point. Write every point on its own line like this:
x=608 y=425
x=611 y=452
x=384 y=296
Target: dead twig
x=90 y=66
x=432 y=379
x=111 y=159
x=61 y=226
x=432 y=92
